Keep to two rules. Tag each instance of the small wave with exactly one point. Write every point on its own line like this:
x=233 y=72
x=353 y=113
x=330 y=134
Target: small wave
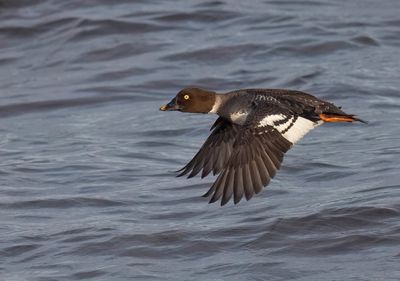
x=216 y=55
x=89 y=28
x=117 y=51
x=40 y=106
x=314 y=49
x=365 y=40
x=63 y=203
x=203 y=16
x=18 y=250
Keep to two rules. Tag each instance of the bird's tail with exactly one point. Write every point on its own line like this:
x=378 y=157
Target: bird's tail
x=327 y=117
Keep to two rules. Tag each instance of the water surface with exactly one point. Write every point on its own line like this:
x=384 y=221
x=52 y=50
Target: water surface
x=86 y=187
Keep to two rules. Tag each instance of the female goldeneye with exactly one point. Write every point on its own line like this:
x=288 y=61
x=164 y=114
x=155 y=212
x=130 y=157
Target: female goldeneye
x=249 y=139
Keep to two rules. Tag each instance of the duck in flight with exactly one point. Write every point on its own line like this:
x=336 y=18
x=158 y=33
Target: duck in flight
x=254 y=130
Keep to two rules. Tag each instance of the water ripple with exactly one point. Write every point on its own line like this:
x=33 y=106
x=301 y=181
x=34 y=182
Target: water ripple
x=87 y=185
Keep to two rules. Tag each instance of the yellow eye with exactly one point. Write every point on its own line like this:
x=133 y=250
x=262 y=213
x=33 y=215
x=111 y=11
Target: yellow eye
x=186 y=97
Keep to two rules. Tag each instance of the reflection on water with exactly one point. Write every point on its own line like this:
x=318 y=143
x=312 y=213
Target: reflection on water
x=87 y=190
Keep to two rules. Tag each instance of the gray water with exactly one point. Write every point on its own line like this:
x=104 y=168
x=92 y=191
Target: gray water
x=86 y=188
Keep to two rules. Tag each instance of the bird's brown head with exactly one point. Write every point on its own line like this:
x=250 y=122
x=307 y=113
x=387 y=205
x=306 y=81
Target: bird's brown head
x=194 y=100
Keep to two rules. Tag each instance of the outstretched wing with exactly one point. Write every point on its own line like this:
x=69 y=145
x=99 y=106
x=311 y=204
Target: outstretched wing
x=258 y=153
x=215 y=152
x=247 y=156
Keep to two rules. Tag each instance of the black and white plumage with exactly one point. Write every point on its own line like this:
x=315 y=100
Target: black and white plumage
x=255 y=128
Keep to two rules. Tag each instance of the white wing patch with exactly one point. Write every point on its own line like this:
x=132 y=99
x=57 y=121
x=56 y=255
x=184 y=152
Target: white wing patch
x=292 y=129
x=300 y=127
x=271 y=120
